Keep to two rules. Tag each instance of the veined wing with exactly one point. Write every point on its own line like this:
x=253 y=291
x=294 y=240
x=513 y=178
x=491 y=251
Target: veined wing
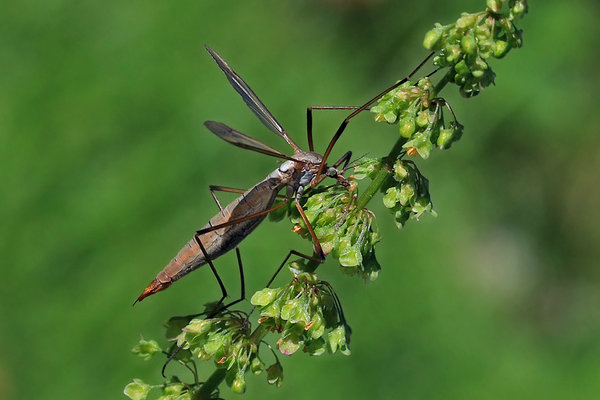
x=239 y=139
x=252 y=100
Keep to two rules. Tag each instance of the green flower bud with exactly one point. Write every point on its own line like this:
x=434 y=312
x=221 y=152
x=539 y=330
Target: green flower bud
x=433 y=37
x=275 y=374
x=452 y=53
x=174 y=389
x=444 y=140
x=390 y=117
x=461 y=68
x=289 y=344
x=519 y=9
x=407 y=126
x=391 y=197
x=350 y=256
x=146 y=349
x=477 y=73
x=501 y=48
x=421 y=142
x=468 y=43
x=401 y=215
x=198 y=326
x=337 y=341
x=425 y=84
x=318 y=326
x=481 y=64
x=239 y=384
x=257 y=366
x=495 y=5
x=466 y=21
x=137 y=390
x=420 y=206
x=264 y=297
x=400 y=171
x=407 y=192
x=423 y=118
x=315 y=347
x=367 y=168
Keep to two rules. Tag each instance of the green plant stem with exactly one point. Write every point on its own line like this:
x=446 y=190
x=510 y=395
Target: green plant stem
x=389 y=160
x=211 y=384
x=382 y=175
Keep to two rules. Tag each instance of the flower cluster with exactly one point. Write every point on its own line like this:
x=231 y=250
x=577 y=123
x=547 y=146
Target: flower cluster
x=347 y=233
x=170 y=390
x=419 y=116
x=301 y=313
x=466 y=44
x=225 y=339
x=407 y=196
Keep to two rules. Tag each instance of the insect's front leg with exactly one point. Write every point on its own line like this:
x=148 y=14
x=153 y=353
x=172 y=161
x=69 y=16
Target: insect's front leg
x=365 y=106
x=309 y=119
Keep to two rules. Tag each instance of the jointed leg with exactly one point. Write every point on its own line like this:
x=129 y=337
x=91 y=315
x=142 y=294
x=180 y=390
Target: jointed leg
x=219 y=307
x=345 y=122
x=309 y=119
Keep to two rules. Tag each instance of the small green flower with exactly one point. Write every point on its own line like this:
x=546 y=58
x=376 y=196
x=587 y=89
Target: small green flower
x=465 y=45
x=137 y=390
x=407 y=197
x=275 y=374
x=433 y=36
x=146 y=349
x=338 y=340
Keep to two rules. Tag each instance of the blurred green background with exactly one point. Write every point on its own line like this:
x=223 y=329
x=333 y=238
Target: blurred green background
x=106 y=163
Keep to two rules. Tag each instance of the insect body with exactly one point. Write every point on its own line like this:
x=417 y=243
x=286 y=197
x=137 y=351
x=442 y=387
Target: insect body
x=250 y=209
x=238 y=219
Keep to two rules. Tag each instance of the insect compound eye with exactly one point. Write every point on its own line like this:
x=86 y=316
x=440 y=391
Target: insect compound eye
x=332 y=172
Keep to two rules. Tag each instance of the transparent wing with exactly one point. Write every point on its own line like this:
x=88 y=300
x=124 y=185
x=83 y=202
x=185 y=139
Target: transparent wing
x=251 y=99
x=237 y=138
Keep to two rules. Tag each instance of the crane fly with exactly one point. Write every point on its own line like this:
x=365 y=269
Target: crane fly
x=296 y=174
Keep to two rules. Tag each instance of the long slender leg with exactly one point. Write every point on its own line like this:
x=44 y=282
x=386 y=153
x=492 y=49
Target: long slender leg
x=214 y=271
x=214 y=310
x=243 y=219
x=345 y=122
x=219 y=306
x=316 y=244
x=343 y=159
x=309 y=119
x=291 y=253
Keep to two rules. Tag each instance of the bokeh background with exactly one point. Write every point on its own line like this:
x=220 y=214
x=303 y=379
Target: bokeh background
x=105 y=165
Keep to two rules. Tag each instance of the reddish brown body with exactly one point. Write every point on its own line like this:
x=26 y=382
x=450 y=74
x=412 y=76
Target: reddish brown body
x=258 y=198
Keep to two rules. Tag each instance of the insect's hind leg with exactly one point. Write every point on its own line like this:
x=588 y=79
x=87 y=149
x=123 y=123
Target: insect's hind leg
x=219 y=305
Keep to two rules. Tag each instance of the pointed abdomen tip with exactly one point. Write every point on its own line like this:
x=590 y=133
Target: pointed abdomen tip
x=154 y=287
